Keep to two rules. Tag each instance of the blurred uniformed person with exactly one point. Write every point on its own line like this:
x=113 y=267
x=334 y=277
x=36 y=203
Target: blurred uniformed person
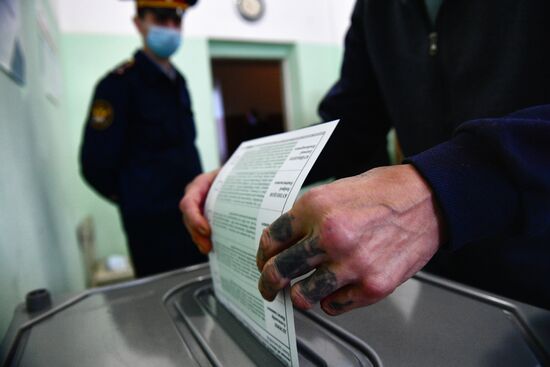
x=139 y=142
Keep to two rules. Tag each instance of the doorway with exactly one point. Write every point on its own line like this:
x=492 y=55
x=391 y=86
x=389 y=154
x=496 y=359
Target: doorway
x=248 y=100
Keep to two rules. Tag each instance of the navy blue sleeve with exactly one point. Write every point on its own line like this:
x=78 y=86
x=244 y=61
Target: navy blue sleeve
x=102 y=148
x=359 y=142
x=492 y=179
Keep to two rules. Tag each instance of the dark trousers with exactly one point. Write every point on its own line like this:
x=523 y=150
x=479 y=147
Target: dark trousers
x=160 y=243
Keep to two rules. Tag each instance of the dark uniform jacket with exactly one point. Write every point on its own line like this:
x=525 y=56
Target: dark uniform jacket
x=139 y=143
x=480 y=61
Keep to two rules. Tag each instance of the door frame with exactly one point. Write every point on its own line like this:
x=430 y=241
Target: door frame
x=283 y=52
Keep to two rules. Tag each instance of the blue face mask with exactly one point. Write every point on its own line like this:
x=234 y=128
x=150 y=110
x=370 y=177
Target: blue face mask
x=163 y=41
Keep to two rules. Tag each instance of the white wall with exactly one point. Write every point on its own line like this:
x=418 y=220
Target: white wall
x=317 y=21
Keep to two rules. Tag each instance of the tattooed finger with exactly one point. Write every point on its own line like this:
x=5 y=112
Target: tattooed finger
x=341 y=301
x=300 y=258
x=294 y=261
x=316 y=287
x=281 y=229
x=277 y=237
x=345 y=299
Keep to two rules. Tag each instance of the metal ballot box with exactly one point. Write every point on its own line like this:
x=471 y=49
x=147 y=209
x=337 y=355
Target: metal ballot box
x=174 y=320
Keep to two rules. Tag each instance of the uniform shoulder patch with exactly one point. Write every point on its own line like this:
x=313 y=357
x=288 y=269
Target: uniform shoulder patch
x=122 y=68
x=102 y=114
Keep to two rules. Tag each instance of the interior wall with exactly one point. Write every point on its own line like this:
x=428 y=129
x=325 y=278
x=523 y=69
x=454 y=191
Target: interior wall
x=310 y=21
x=88 y=56
x=38 y=246
x=42 y=196
x=317 y=67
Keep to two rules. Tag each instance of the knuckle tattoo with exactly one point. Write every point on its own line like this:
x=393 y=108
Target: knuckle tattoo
x=319 y=285
x=281 y=229
x=271 y=281
x=295 y=260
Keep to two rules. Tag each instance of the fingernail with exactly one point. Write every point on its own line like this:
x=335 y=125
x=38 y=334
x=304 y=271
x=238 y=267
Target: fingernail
x=203 y=231
x=339 y=307
x=265 y=290
x=202 y=246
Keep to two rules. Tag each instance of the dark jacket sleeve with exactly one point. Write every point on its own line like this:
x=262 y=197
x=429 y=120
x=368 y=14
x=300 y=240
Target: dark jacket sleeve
x=102 y=147
x=492 y=179
x=359 y=142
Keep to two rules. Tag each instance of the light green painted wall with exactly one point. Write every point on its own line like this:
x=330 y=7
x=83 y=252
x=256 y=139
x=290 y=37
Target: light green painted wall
x=38 y=246
x=42 y=196
x=85 y=60
x=86 y=57
x=315 y=68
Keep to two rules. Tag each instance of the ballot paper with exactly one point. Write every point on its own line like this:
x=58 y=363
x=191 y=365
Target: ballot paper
x=258 y=183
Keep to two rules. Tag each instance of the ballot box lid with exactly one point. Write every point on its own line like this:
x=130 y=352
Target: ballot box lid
x=174 y=319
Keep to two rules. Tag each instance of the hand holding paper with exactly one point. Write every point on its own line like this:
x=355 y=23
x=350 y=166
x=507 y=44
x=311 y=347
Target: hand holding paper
x=192 y=204
x=260 y=182
x=365 y=235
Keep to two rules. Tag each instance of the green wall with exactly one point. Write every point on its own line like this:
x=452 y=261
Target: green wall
x=38 y=246
x=42 y=196
x=312 y=69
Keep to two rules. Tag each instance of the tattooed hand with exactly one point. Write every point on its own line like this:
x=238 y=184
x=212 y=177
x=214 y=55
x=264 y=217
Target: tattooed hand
x=364 y=235
x=192 y=206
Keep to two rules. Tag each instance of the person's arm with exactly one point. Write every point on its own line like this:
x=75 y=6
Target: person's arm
x=359 y=142
x=102 y=148
x=364 y=235
x=492 y=179
x=367 y=234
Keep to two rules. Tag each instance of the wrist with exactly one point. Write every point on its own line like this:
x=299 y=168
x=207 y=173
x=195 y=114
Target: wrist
x=419 y=190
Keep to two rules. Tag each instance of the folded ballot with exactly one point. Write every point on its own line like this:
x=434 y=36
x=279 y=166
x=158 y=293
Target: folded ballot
x=258 y=183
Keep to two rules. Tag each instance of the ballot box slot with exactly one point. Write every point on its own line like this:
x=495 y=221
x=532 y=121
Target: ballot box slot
x=224 y=341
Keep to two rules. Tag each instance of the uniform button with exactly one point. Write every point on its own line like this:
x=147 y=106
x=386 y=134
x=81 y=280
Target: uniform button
x=432 y=37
